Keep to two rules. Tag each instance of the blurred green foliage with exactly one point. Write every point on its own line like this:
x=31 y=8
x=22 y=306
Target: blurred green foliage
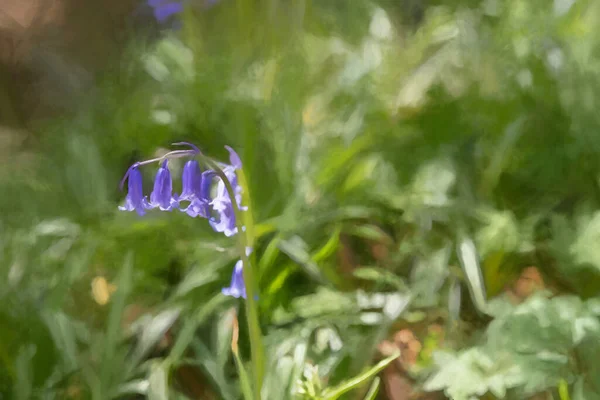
x=406 y=162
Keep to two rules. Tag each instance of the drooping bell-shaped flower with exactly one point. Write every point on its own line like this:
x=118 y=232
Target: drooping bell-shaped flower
x=225 y=219
x=222 y=202
x=191 y=179
x=161 y=195
x=237 y=288
x=135 y=199
x=234 y=158
x=165 y=9
x=200 y=199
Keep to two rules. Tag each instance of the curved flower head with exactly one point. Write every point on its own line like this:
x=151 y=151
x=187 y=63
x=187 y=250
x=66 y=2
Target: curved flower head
x=161 y=195
x=135 y=199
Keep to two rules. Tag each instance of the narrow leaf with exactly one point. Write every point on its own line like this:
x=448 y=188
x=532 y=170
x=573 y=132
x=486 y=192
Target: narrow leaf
x=154 y=331
x=123 y=284
x=244 y=379
x=158 y=388
x=344 y=387
x=188 y=331
x=373 y=390
x=295 y=249
x=467 y=254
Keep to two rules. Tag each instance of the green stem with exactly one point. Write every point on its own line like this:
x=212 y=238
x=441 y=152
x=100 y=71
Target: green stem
x=250 y=281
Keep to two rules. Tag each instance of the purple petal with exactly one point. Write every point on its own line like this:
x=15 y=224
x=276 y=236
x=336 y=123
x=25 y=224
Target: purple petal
x=191 y=179
x=234 y=158
x=161 y=195
x=135 y=199
x=200 y=200
x=165 y=11
x=237 y=288
x=197 y=208
x=225 y=221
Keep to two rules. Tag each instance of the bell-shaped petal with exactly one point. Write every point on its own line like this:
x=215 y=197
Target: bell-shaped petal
x=197 y=208
x=191 y=180
x=135 y=199
x=200 y=198
x=237 y=288
x=165 y=9
x=234 y=158
x=161 y=195
x=224 y=221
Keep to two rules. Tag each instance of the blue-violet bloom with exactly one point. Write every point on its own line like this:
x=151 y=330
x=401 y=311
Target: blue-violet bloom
x=161 y=195
x=222 y=203
x=191 y=179
x=225 y=220
x=135 y=199
x=200 y=199
x=237 y=288
x=165 y=9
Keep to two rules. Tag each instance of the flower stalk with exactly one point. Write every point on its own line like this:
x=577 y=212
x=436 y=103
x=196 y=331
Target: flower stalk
x=224 y=214
x=250 y=281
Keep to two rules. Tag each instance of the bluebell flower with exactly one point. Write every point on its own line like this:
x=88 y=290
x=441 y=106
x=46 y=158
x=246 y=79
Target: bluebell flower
x=135 y=199
x=237 y=288
x=191 y=179
x=200 y=198
x=234 y=159
x=225 y=220
x=161 y=195
x=222 y=203
x=165 y=9
x=196 y=190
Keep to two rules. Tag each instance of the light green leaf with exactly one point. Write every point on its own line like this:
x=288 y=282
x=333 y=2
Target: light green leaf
x=63 y=334
x=190 y=324
x=344 y=387
x=222 y=334
x=113 y=330
x=296 y=249
x=158 y=388
x=469 y=260
x=154 y=330
x=585 y=249
x=381 y=275
x=244 y=378
x=428 y=276
x=24 y=382
x=138 y=386
x=500 y=233
x=200 y=277
x=373 y=390
x=207 y=359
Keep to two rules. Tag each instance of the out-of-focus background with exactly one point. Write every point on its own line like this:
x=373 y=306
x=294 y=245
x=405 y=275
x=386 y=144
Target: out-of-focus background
x=424 y=176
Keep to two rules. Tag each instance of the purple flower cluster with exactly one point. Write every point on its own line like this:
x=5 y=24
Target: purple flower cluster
x=195 y=198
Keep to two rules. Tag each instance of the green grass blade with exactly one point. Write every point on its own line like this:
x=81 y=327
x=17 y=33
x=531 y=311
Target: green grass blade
x=113 y=329
x=373 y=390
x=344 y=387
